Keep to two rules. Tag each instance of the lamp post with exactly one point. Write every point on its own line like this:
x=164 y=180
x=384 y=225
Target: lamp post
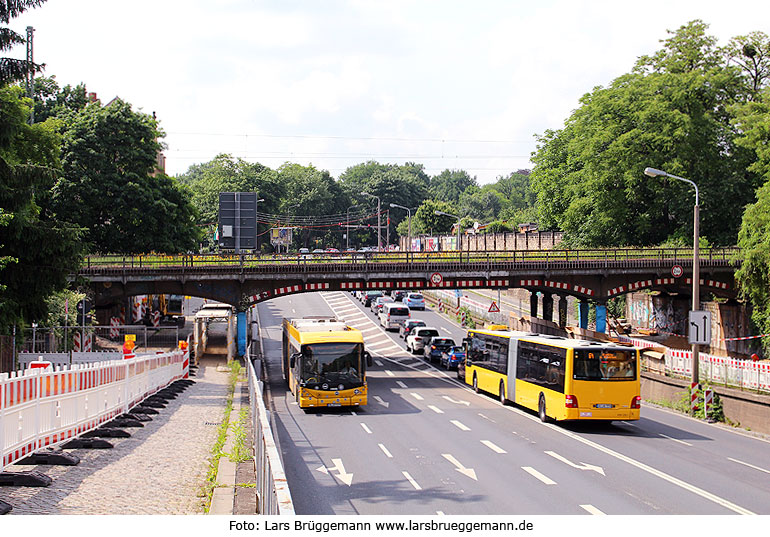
x=256 y=224
x=409 y=216
x=290 y=207
x=439 y=213
x=379 y=239
x=347 y=227
x=652 y=172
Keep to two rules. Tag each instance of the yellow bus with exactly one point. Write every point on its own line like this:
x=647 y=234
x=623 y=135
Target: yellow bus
x=560 y=378
x=324 y=362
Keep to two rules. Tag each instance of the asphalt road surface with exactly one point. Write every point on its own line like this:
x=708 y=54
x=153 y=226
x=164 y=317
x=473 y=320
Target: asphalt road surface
x=427 y=444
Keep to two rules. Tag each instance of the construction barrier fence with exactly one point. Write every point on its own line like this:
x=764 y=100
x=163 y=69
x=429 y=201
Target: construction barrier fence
x=43 y=406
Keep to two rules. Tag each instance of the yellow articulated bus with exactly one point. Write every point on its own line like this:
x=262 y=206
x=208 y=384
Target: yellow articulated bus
x=324 y=362
x=560 y=378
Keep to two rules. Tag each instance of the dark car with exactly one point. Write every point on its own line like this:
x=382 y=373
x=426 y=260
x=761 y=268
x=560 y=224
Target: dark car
x=398 y=296
x=407 y=327
x=461 y=370
x=437 y=346
x=452 y=357
x=370 y=296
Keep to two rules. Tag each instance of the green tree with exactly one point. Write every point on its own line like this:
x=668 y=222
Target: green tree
x=425 y=219
x=37 y=251
x=450 y=184
x=110 y=185
x=751 y=53
x=671 y=112
x=12 y=69
x=53 y=101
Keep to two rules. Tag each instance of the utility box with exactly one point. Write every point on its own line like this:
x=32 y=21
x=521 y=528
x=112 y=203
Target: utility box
x=237 y=221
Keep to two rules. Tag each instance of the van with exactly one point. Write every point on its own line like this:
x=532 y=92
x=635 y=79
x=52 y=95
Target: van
x=393 y=315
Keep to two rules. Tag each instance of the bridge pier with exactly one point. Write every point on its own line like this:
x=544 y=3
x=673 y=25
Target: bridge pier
x=548 y=307
x=533 y=305
x=601 y=318
x=583 y=308
x=562 y=311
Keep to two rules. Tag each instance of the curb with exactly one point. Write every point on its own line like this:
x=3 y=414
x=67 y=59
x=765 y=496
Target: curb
x=223 y=499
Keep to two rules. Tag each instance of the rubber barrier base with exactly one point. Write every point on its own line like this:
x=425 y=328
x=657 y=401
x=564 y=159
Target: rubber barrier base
x=106 y=432
x=87 y=443
x=5 y=507
x=153 y=404
x=118 y=422
x=24 y=479
x=51 y=457
x=142 y=409
x=139 y=416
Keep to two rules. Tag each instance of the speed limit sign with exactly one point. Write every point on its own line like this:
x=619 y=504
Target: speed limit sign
x=677 y=271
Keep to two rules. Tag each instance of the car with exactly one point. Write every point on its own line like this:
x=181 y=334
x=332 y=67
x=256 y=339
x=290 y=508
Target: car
x=332 y=251
x=393 y=315
x=318 y=251
x=452 y=357
x=461 y=370
x=304 y=250
x=415 y=301
x=369 y=296
x=419 y=338
x=437 y=346
x=377 y=304
x=398 y=296
x=407 y=327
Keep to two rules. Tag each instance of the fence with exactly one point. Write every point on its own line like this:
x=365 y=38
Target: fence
x=273 y=496
x=97 y=338
x=43 y=407
x=734 y=372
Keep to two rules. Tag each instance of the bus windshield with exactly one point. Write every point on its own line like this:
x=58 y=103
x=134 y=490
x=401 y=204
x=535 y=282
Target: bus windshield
x=604 y=364
x=339 y=365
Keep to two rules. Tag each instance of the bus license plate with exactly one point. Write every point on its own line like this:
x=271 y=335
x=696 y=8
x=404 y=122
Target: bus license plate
x=604 y=405
x=334 y=404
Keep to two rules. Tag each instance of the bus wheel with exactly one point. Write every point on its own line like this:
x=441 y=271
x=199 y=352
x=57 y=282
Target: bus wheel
x=475 y=383
x=541 y=409
x=502 y=393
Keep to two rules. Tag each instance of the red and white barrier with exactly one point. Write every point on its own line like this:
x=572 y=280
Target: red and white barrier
x=81 y=342
x=155 y=317
x=708 y=401
x=114 y=330
x=694 y=387
x=42 y=406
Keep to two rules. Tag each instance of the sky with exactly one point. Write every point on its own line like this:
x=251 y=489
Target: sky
x=333 y=83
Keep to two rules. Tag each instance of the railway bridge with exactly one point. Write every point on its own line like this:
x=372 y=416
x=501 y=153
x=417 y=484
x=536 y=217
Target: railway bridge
x=594 y=275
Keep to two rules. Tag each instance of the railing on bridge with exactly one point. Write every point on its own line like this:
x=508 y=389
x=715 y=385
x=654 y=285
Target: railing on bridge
x=383 y=260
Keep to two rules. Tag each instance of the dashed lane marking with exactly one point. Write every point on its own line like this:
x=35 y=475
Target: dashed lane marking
x=534 y=473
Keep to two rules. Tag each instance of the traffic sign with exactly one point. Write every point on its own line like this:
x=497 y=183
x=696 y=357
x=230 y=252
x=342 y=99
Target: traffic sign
x=699 y=328
x=436 y=278
x=494 y=308
x=677 y=271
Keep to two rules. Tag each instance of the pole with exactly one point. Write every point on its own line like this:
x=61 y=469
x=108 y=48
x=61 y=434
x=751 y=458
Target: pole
x=387 y=231
x=379 y=229
x=409 y=215
x=458 y=233
x=696 y=287
x=347 y=229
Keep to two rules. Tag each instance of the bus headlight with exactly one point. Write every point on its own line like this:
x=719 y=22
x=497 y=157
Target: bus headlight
x=341 y=387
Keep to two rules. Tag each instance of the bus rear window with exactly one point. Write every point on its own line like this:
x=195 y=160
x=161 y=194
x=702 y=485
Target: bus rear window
x=604 y=364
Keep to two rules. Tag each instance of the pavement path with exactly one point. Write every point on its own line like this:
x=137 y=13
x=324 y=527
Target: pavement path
x=159 y=470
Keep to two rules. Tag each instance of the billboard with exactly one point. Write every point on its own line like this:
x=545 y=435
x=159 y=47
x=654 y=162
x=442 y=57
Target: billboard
x=237 y=227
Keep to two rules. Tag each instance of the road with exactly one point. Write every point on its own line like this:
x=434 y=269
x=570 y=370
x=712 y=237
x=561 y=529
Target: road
x=427 y=444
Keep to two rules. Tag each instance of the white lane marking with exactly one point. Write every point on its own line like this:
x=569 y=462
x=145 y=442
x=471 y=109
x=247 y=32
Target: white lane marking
x=459 y=425
x=385 y=451
x=591 y=509
x=411 y=480
x=440 y=513
x=493 y=447
x=378 y=363
x=401 y=384
x=749 y=465
x=582 y=466
x=534 y=473
x=435 y=409
x=486 y=418
x=417 y=396
x=366 y=428
x=293 y=310
x=675 y=439
x=353 y=413
x=342 y=475
x=390 y=373
x=379 y=400
x=466 y=403
x=470 y=472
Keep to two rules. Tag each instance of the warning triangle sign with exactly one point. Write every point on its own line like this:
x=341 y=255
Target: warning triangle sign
x=493 y=308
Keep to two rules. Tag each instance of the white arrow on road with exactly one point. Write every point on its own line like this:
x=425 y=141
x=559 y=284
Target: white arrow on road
x=459 y=467
x=466 y=403
x=341 y=475
x=379 y=400
x=582 y=466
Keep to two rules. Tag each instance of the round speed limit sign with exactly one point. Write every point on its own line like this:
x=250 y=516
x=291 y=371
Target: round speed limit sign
x=677 y=271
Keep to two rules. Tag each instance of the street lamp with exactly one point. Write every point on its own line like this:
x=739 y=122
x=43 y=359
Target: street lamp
x=409 y=215
x=440 y=213
x=379 y=239
x=652 y=172
x=347 y=227
x=256 y=224
x=290 y=207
